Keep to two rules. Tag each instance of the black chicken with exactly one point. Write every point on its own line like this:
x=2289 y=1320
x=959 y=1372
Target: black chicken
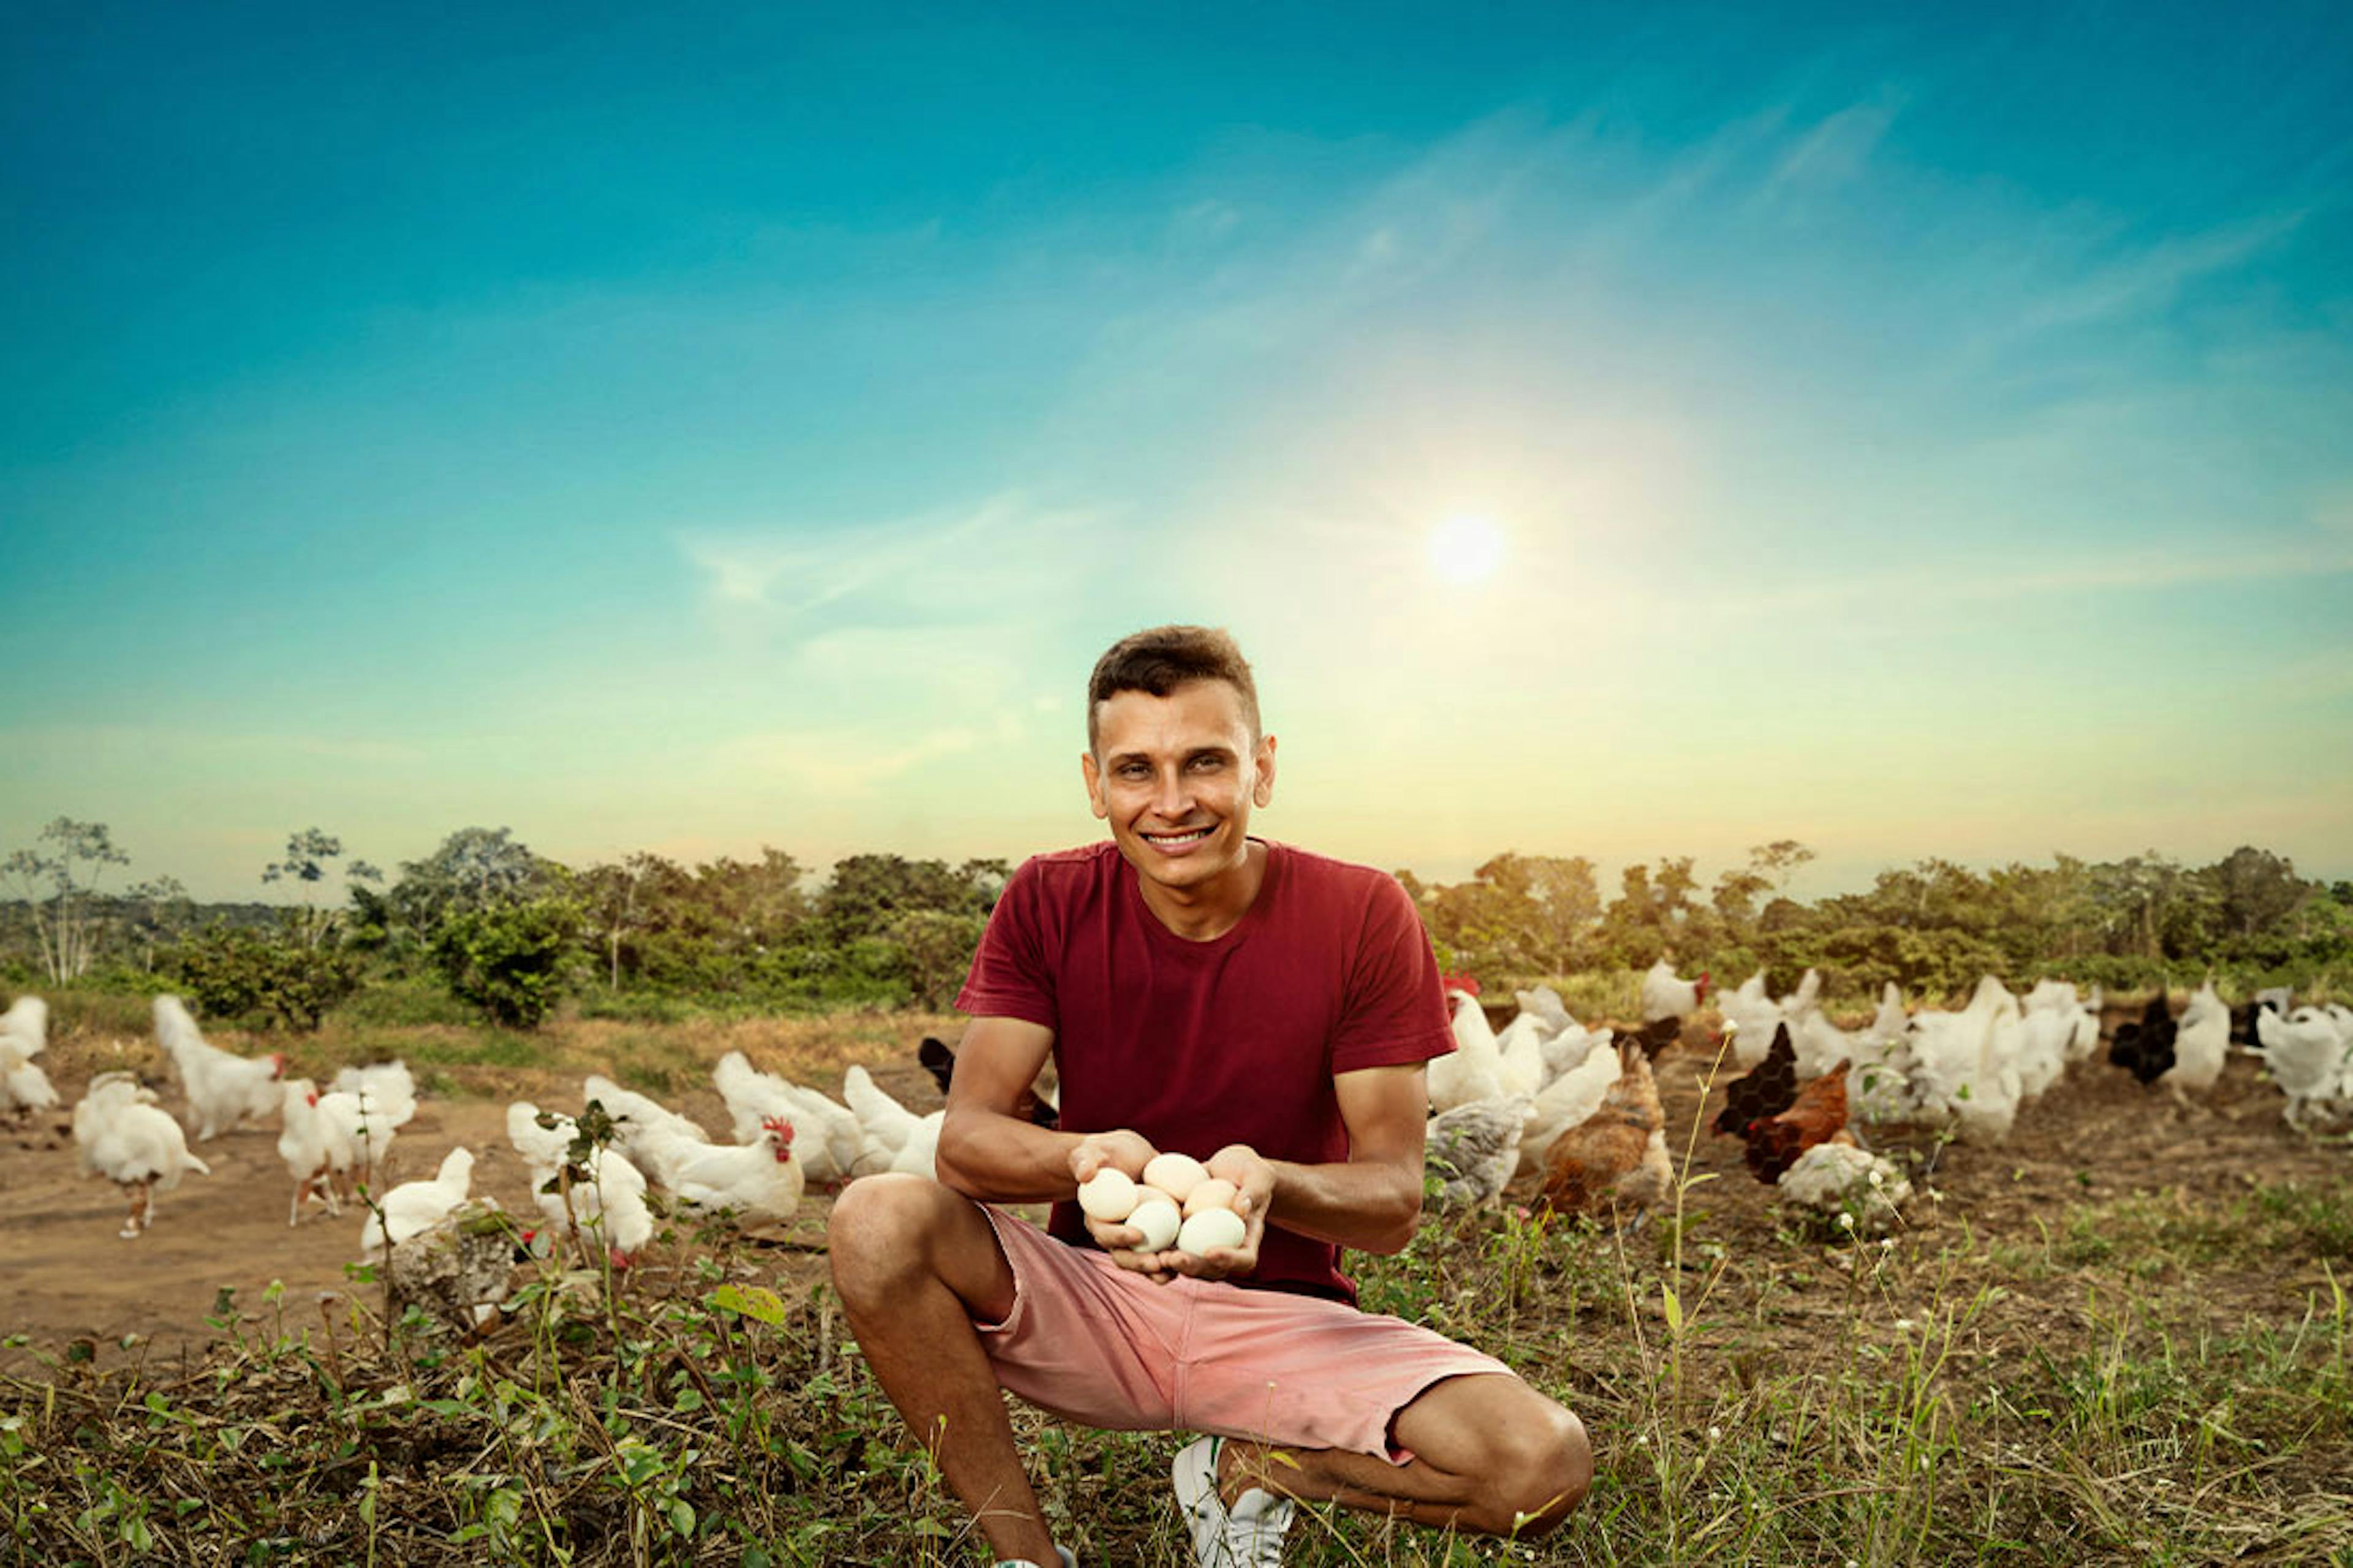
x=1768 y=1090
x=2146 y=1049
x=939 y=1059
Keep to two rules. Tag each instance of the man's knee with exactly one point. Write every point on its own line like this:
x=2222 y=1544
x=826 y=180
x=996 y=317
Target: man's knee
x=879 y=1231
x=1544 y=1467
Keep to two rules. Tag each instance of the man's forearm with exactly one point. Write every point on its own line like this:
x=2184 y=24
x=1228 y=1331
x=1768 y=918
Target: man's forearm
x=1364 y=1206
x=1005 y=1159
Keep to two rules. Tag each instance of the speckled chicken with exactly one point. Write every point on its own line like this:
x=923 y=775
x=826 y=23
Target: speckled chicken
x=1473 y=1149
x=1815 y=1117
x=1618 y=1156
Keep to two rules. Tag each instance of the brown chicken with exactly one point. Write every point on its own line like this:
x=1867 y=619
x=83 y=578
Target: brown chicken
x=1817 y=1116
x=1618 y=1156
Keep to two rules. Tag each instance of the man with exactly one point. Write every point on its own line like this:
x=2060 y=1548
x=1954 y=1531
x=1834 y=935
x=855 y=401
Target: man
x=1265 y=1010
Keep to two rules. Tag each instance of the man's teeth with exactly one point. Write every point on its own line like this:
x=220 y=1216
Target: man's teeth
x=1177 y=837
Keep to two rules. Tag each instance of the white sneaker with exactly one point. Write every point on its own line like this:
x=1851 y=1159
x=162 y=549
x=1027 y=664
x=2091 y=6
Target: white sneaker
x=1248 y=1535
x=1061 y=1555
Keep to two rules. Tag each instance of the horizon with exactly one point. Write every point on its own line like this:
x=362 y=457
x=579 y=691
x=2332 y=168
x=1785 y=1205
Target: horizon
x=1606 y=435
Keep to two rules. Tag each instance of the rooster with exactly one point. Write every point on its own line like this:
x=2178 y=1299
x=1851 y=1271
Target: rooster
x=825 y=1131
x=760 y=1183
x=1475 y=1069
x=121 y=1135
x=223 y=1089
x=317 y=1149
x=1666 y=995
x=1618 y=1156
x=1816 y=1116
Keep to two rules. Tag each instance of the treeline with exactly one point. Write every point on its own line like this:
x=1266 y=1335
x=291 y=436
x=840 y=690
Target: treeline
x=1933 y=926
x=512 y=933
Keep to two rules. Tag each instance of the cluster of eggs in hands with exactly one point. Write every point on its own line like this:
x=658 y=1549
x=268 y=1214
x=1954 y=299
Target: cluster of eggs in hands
x=1177 y=1201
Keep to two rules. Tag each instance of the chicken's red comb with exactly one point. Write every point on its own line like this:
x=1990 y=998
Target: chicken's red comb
x=1466 y=984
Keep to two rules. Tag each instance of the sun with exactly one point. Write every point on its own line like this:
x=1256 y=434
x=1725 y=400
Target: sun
x=1466 y=549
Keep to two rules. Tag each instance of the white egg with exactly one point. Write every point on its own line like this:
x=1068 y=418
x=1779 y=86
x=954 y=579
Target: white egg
x=1108 y=1194
x=1176 y=1174
x=1210 y=1228
x=1216 y=1192
x=1157 y=1219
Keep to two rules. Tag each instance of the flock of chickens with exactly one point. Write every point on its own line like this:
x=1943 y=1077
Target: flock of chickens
x=602 y=1193
x=1547 y=1111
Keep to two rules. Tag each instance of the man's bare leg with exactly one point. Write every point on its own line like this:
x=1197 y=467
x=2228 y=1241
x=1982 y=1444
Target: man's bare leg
x=1491 y=1456
x=915 y=1264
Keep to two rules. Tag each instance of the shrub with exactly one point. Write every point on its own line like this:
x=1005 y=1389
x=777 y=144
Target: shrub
x=511 y=961
x=241 y=973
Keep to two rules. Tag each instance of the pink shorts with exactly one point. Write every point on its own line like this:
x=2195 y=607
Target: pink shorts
x=1106 y=1347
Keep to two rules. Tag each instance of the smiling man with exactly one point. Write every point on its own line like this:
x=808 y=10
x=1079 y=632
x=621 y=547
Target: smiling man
x=1268 y=1012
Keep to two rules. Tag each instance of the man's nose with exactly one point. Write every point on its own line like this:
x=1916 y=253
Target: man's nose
x=1170 y=797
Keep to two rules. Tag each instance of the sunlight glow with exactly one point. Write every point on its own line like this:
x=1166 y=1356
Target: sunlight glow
x=1466 y=549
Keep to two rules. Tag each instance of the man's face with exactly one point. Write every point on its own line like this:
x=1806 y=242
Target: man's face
x=1176 y=777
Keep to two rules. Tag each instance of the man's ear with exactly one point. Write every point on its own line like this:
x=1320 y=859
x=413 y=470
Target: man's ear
x=1093 y=776
x=1262 y=789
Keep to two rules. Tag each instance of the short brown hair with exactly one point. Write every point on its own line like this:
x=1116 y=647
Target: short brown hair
x=1157 y=661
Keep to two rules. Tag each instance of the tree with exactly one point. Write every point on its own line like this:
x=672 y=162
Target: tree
x=616 y=898
x=64 y=917
x=2255 y=888
x=474 y=868
x=234 y=972
x=509 y=959
x=158 y=909
x=307 y=855
x=1778 y=860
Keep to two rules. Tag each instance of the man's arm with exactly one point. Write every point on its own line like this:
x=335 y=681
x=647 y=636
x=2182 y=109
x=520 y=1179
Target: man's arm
x=1372 y=1201
x=990 y=1152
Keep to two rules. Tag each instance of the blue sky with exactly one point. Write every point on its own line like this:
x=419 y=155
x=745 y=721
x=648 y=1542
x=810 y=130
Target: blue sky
x=1913 y=435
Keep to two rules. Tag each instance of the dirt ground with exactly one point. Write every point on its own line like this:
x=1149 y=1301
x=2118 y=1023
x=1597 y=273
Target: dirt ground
x=65 y=1275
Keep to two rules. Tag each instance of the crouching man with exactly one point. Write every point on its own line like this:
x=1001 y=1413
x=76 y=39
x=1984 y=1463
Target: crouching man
x=1268 y=1012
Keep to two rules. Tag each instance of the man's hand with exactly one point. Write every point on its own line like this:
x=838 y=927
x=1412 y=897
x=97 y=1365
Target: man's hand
x=1253 y=1181
x=1127 y=1152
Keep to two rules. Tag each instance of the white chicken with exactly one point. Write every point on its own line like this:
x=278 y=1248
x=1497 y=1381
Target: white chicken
x=412 y=1208
x=24 y=1087
x=826 y=1133
x=760 y=1183
x=223 y=1089
x=1666 y=995
x=26 y=1024
x=385 y=1091
x=1567 y=1102
x=1475 y=1069
x=1520 y=1059
x=121 y=1135
x=1753 y=1017
x=2201 y=1036
x=885 y=1126
x=317 y=1149
x=643 y=1128
x=602 y=1201
x=2310 y=1062
x=1545 y=1005
x=1568 y=1048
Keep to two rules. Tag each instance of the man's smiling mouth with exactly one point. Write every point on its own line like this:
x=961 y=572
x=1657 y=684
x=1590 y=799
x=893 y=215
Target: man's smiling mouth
x=1175 y=840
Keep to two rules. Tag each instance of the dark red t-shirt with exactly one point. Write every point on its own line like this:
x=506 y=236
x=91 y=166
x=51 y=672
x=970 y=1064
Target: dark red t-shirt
x=1197 y=1044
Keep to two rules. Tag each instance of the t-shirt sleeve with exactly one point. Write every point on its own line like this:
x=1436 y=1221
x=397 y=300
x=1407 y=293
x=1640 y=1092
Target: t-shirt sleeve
x=1395 y=1008
x=1010 y=976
